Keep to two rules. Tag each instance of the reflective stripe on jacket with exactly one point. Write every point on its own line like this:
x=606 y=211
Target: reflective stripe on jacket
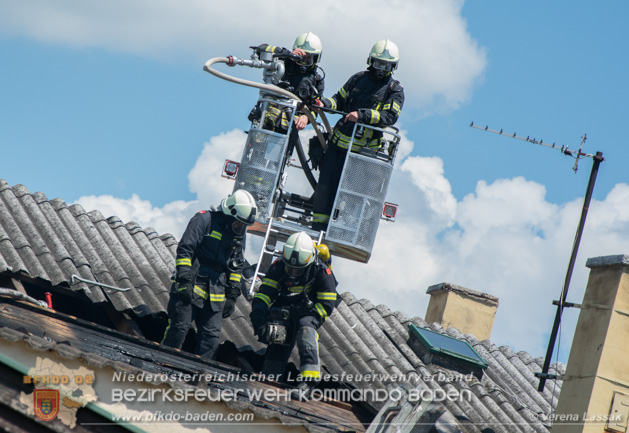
x=320 y=287
x=216 y=253
x=378 y=102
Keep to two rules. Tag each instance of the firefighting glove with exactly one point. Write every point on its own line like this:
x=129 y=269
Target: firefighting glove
x=184 y=274
x=263 y=334
x=232 y=292
x=315 y=152
x=258 y=320
x=184 y=292
x=233 y=289
x=229 y=307
x=260 y=48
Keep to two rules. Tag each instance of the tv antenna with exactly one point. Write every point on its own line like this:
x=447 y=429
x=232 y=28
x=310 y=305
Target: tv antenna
x=561 y=304
x=576 y=154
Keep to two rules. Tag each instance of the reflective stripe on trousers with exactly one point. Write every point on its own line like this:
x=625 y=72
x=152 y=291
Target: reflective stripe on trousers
x=308 y=345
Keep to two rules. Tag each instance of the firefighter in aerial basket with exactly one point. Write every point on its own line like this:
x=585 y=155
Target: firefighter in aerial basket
x=209 y=265
x=301 y=77
x=297 y=295
x=370 y=97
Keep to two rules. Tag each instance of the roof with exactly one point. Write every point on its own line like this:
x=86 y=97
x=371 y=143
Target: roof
x=50 y=241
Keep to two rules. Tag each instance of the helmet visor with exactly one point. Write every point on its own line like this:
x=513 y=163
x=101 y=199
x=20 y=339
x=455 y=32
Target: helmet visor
x=294 y=271
x=239 y=228
x=308 y=60
x=382 y=65
x=245 y=219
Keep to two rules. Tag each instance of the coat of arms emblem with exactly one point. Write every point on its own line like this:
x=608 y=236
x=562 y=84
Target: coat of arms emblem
x=46 y=403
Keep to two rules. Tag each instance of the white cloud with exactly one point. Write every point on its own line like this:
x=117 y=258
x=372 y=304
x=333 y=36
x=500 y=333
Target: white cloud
x=427 y=175
x=439 y=60
x=205 y=177
x=171 y=218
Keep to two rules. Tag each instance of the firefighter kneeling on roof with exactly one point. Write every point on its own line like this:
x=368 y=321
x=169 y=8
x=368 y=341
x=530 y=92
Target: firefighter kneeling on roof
x=296 y=296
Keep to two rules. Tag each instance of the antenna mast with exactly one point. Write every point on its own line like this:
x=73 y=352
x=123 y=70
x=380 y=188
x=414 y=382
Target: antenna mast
x=596 y=161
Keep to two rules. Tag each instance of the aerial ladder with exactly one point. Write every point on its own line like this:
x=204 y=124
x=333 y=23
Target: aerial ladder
x=262 y=170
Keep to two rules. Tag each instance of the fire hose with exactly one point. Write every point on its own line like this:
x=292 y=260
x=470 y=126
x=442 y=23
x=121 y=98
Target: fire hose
x=232 y=61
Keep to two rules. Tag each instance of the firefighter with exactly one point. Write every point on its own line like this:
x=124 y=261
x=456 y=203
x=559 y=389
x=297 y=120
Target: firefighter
x=301 y=78
x=303 y=288
x=209 y=264
x=371 y=97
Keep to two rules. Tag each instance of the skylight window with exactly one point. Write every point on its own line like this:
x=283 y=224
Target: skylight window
x=441 y=344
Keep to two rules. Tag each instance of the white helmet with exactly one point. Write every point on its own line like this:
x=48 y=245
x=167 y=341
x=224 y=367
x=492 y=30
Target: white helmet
x=299 y=253
x=384 y=56
x=311 y=44
x=241 y=206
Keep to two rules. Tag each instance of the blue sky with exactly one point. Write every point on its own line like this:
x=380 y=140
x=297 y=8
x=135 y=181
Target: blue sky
x=106 y=104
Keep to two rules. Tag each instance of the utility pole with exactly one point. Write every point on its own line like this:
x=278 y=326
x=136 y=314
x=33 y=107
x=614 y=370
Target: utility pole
x=596 y=161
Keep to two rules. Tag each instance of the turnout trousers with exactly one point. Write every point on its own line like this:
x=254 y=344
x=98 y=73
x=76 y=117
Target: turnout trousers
x=329 y=177
x=208 y=323
x=307 y=341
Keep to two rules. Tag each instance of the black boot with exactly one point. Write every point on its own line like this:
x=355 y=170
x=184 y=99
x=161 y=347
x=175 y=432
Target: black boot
x=302 y=392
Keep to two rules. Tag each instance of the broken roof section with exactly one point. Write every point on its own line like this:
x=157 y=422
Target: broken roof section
x=65 y=339
x=46 y=242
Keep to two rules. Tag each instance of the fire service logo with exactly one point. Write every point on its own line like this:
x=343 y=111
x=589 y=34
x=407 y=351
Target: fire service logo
x=46 y=403
x=58 y=391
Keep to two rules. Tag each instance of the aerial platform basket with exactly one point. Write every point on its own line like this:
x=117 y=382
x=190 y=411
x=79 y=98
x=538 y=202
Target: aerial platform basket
x=358 y=206
x=262 y=170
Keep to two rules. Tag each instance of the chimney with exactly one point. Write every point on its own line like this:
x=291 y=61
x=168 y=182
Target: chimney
x=595 y=391
x=469 y=311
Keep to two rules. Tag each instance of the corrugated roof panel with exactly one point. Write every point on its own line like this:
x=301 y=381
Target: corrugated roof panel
x=404 y=358
x=374 y=339
x=501 y=419
x=9 y=258
x=46 y=245
x=121 y=267
x=505 y=375
x=144 y=273
x=350 y=352
x=159 y=261
x=91 y=244
x=342 y=350
x=52 y=241
x=11 y=213
x=527 y=380
x=60 y=239
x=361 y=340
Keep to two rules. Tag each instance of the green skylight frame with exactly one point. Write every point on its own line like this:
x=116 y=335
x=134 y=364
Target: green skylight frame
x=465 y=351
